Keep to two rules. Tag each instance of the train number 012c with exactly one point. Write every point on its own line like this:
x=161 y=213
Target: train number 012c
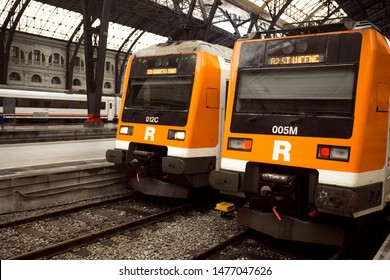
x=150 y=119
x=286 y=130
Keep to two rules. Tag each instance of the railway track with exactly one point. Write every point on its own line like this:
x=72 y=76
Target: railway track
x=139 y=227
x=251 y=245
x=94 y=236
x=98 y=221
x=63 y=211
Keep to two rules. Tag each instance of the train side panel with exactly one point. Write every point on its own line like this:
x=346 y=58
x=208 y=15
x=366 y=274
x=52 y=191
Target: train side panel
x=29 y=105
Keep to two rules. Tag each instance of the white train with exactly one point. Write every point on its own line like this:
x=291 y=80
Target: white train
x=28 y=105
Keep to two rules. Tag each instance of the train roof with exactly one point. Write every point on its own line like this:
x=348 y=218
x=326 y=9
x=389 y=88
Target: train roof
x=189 y=46
x=292 y=30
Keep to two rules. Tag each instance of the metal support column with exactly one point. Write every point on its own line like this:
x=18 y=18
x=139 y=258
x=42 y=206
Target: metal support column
x=209 y=22
x=95 y=65
x=71 y=57
x=6 y=41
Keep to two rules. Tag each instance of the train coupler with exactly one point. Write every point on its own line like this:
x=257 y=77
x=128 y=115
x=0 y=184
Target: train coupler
x=226 y=209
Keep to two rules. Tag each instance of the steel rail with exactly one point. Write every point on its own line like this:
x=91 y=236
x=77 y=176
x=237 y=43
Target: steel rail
x=80 y=241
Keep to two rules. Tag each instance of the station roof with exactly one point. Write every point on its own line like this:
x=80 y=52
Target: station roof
x=162 y=19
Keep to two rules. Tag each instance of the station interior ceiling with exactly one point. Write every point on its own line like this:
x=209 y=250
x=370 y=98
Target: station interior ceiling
x=136 y=24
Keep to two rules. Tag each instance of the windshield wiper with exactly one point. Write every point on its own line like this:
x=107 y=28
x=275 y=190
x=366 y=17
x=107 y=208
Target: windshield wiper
x=331 y=114
x=270 y=114
x=257 y=117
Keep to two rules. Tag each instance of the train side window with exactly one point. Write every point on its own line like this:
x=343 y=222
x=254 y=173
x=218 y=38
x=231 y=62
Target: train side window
x=18 y=102
x=48 y=104
x=64 y=104
x=77 y=104
x=226 y=97
x=34 y=103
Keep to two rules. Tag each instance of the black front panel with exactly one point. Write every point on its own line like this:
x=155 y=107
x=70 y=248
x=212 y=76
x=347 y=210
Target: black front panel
x=301 y=86
x=160 y=89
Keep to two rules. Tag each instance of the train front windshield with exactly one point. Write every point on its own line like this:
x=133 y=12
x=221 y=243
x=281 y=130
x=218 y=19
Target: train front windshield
x=166 y=93
x=305 y=84
x=305 y=90
x=160 y=88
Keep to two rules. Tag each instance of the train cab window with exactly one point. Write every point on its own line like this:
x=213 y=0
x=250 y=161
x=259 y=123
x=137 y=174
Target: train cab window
x=297 y=90
x=15 y=76
x=161 y=93
x=36 y=78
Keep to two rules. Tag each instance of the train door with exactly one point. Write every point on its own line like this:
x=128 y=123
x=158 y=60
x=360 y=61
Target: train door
x=110 y=110
x=224 y=88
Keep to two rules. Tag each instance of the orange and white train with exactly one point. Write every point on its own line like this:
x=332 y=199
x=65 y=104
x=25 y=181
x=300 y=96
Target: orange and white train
x=306 y=137
x=171 y=116
x=29 y=105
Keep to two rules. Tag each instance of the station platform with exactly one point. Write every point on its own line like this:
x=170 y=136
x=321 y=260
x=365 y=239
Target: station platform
x=384 y=251
x=30 y=155
x=11 y=134
x=44 y=174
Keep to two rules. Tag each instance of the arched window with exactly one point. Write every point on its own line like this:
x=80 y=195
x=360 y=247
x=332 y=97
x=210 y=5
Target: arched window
x=36 y=78
x=107 y=85
x=15 y=52
x=56 y=59
x=76 y=82
x=36 y=57
x=17 y=55
x=56 y=81
x=14 y=76
x=79 y=62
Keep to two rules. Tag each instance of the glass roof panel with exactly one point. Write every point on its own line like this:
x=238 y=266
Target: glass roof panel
x=302 y=10
x=50 y=21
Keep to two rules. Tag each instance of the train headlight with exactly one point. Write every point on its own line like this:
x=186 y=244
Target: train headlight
x=127 y=130
x=333 y=152
x=240 y=144
x=176 y=135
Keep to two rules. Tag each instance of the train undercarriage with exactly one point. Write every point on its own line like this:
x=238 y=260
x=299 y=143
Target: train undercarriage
x=153 y=172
